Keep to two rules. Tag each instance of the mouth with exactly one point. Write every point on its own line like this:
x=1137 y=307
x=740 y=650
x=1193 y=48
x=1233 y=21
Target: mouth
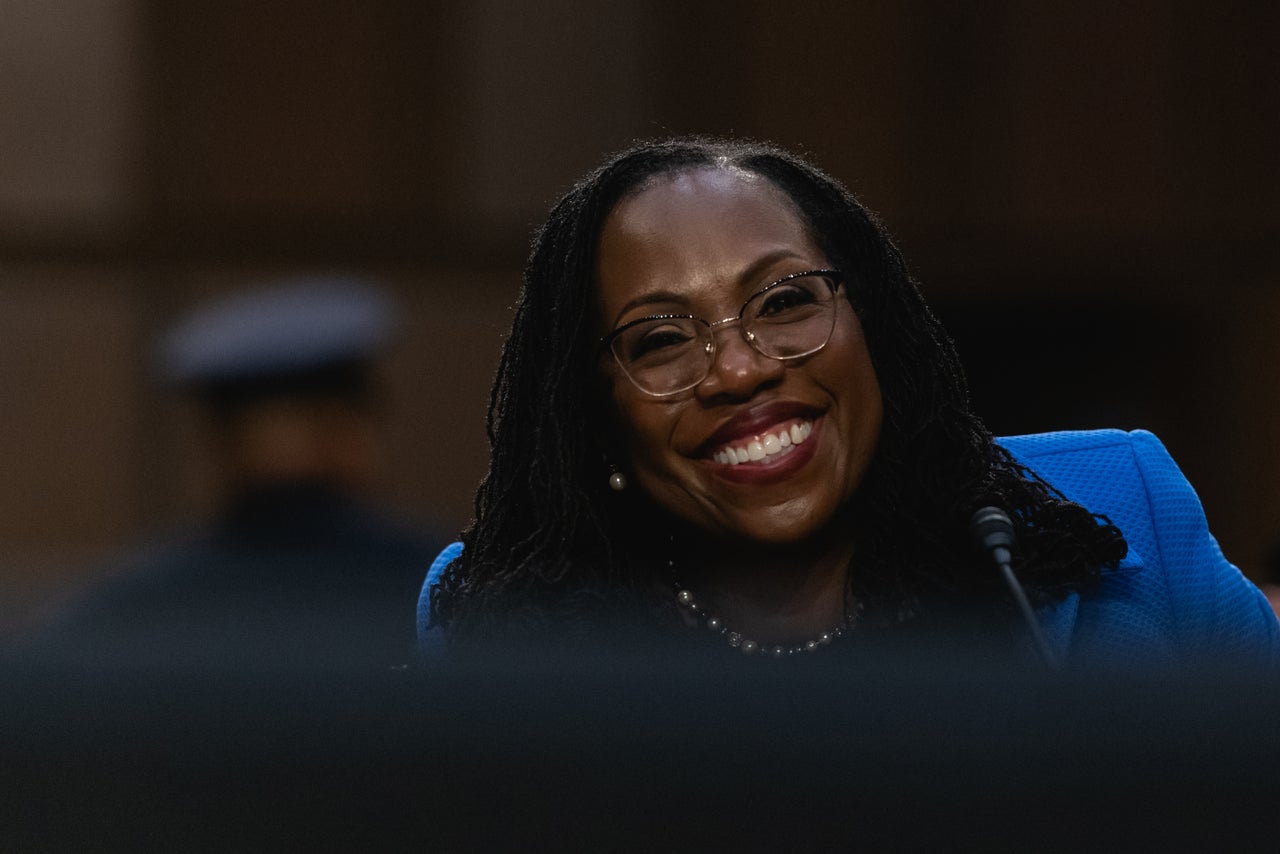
x=764 y=447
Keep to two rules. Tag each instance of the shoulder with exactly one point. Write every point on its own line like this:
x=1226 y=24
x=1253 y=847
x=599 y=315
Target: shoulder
x=152 y=569
x=1124 y=475
x=427 y=637
x=1174 y=591
x=1127 y=476
x=441 y=562
x=116 y=594
x=1078 y=457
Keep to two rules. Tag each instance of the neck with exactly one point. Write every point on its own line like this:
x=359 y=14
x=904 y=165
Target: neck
x=774 y=594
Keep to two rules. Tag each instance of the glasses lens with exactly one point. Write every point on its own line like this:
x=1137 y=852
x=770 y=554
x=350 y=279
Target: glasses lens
x=663 y=355
x=792 y=319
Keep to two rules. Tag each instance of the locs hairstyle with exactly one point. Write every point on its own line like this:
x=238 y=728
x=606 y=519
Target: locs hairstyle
x=547 y=540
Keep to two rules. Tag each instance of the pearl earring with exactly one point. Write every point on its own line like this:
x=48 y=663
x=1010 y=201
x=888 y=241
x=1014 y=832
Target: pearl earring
x=617 y=481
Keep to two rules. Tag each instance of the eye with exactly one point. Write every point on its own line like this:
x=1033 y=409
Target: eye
x=659 y=339
x=782 y=300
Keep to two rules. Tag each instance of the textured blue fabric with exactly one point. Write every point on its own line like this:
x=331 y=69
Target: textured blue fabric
x=1173 y=598
x=424 y=598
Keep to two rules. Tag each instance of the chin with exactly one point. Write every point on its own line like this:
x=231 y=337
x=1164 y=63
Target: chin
x=795 y=525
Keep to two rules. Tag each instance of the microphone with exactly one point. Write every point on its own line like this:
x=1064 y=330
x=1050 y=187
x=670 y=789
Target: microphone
x=992 y=533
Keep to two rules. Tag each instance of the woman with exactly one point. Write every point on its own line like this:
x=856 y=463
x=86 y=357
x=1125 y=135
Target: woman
x=725 y=404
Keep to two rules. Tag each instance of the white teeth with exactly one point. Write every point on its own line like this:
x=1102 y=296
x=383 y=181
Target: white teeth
x=770 y=445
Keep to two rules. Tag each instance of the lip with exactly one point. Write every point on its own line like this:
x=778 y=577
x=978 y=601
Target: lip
x=755 y=420
x=777 y=468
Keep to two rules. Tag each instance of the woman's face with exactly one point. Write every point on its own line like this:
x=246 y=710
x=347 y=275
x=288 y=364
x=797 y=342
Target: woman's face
x=701 y=243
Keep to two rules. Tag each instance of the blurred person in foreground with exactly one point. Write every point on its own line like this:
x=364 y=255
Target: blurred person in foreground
x=298 y=568
x=726 y=417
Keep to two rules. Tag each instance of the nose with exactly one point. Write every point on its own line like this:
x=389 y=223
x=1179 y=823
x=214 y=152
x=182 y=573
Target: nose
x=737 y=370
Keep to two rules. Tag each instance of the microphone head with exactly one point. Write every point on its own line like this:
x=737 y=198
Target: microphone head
x=991 y=528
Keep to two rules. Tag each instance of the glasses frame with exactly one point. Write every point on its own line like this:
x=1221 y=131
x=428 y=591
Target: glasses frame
x=835 y=279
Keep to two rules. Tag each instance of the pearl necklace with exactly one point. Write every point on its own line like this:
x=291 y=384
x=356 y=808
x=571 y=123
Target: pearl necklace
x=747 y=646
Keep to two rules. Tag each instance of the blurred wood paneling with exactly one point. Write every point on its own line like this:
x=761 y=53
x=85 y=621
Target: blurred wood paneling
x=1097 y=186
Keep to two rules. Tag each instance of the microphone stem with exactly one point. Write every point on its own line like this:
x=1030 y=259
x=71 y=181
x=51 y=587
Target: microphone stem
x=1028 y=616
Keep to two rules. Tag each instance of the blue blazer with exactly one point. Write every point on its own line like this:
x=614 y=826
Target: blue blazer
x=1174 y=597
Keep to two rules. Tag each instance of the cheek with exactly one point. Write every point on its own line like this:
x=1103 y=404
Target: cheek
x=854 y=383
x=643 y=449
x=635 y=429
x=862 y=375
x=641 y=436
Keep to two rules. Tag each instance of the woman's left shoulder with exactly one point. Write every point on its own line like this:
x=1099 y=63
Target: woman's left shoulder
x=1175 y=575
x=1127 y=470
x=1127 y=476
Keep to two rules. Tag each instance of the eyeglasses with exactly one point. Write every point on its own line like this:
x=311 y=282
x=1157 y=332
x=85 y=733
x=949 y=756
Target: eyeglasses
x=669 y=353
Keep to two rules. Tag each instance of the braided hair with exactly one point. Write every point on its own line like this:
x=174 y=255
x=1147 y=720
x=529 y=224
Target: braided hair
x=547 y=543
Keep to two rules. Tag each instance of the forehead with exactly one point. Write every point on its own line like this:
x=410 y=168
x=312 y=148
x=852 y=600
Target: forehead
x=695 y=230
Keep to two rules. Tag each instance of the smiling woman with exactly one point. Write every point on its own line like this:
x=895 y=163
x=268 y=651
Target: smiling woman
x=725 y=404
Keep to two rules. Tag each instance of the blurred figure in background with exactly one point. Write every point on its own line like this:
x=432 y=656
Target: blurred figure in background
x=297 y=568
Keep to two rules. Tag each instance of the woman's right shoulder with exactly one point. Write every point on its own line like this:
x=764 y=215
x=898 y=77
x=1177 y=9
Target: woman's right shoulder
x=436 y=570
x=442 y=560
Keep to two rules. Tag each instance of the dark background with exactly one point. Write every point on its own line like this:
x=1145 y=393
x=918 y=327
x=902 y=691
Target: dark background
x=1088 y=192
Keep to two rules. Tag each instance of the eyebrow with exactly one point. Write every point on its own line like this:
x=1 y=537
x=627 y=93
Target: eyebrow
x=751 y=271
